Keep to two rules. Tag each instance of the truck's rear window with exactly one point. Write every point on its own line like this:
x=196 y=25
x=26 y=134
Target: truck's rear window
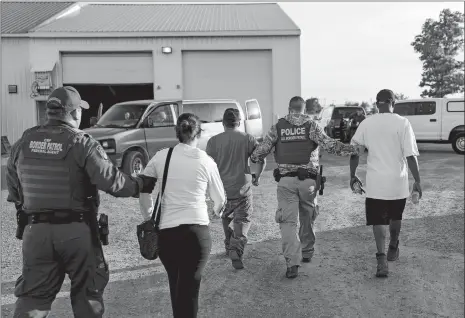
x=344 y=112
x=208 y=112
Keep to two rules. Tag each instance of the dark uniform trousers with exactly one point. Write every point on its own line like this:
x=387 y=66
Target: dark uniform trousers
x=49 y=252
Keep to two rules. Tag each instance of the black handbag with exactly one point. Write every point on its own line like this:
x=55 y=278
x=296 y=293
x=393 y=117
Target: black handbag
x=147 y=232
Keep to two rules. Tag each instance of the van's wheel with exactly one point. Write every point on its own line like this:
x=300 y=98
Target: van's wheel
x=458 y=143
x=134 y=163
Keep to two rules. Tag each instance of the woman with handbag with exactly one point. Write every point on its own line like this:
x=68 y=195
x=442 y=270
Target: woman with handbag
x=184 y=241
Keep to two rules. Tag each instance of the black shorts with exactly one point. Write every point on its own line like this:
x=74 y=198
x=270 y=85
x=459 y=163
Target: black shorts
x=380 y=212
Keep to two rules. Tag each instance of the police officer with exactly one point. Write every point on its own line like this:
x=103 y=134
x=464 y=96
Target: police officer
x=296 y=139
x=53 y=174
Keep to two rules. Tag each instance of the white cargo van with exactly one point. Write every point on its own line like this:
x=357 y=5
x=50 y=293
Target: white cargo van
x=435 y=120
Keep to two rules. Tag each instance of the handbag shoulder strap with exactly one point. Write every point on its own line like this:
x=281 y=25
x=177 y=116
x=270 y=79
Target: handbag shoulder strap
x=163 y=184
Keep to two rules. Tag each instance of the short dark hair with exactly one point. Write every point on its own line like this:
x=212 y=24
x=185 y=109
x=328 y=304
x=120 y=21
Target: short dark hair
x=231 y=117
x=297 y=103
x=188 y=127
x=385 y=95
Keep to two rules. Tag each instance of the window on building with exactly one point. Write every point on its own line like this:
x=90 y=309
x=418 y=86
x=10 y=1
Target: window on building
x=415 y=108
x=41 y=112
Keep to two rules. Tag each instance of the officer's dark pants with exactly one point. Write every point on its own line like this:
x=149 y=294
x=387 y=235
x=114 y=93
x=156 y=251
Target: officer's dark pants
x=184 y=252
x=297 y=202
x=49 y=252
x=238 y=211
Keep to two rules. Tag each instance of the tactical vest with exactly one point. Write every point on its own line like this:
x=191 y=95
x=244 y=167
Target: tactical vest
x=294 y=145
x=50 y=179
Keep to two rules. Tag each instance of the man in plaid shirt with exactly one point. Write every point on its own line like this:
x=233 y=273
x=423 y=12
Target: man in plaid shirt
x=297 y=140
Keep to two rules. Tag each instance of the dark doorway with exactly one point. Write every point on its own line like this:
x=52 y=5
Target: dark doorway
x=109 y=95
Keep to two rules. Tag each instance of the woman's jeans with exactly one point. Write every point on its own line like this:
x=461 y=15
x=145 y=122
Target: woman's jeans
x=184 y=251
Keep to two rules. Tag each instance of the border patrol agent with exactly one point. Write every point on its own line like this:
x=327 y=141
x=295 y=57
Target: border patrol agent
x=296 y=139
x=53 y=176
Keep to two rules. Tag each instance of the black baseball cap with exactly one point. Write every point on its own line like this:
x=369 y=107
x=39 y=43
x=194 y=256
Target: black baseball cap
x=67 y=98
x=385 y=95
x=232 y=116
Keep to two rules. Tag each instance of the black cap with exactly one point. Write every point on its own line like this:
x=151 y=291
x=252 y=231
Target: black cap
x=232 y=116
x=385 y=95
x=67 y=98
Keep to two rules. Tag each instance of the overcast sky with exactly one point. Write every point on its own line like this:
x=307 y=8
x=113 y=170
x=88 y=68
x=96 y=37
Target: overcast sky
x=349 y=51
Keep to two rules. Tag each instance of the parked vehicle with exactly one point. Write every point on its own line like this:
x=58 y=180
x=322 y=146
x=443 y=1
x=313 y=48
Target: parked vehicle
x=336 y=122
x=436 y=120
x=132 y=132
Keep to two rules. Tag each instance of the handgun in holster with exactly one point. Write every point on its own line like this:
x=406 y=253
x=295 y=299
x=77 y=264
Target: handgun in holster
x=103 y=228
x=21 y=221
x=95 y=228
x=320 y=181
x=276 y=175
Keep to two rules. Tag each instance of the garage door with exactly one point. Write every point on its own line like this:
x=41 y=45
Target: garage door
x=107 y=68
x=240 y=75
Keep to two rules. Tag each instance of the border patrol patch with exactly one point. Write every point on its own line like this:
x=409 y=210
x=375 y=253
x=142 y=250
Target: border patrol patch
x=102 y=152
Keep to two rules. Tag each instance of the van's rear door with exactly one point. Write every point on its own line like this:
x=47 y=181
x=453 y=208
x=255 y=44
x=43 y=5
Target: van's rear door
x=253 y=119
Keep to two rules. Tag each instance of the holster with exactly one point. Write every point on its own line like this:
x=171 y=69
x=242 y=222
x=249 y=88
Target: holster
x=276 y=175
x=21 y=221
x=320 y=181
x=94 y=227
x=302 y=174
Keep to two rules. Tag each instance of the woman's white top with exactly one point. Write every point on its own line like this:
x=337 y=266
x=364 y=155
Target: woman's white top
x=191 y=174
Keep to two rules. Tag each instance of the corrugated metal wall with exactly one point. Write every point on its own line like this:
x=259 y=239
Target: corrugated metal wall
x=167 y=68
x=17 y=110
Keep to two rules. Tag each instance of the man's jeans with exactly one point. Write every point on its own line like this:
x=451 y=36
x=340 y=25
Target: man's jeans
x=238 y=211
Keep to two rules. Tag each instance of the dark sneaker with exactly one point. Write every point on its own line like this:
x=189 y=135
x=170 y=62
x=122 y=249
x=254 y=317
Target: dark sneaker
x=306 y=259
x=393 y=252
x=236 y=260
x=382 y=268
x=292 y=271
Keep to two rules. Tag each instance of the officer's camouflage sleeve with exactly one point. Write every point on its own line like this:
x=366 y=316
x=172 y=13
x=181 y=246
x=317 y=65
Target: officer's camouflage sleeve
x=329 y=144
x=92 y=157
x=11 y=176
x=265 y=147
x=252 y=144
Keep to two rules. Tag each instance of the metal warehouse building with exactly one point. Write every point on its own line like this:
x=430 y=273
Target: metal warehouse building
x=119 y=52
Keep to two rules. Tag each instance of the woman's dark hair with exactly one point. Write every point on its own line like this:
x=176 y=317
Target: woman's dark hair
x=188 y=127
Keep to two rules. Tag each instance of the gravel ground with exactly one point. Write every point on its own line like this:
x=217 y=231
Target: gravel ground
x=426 y=282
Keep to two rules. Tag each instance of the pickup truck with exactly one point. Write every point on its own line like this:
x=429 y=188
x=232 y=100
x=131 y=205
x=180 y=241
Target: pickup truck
x=435 y=120
x=331 y=118
x=132 y=132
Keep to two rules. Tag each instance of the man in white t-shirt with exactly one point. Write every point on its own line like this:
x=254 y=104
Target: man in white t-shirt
x=392 y=147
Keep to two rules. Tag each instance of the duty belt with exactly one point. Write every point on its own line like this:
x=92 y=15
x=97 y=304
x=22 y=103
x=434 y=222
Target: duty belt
x=308 y=175
x=56 y=217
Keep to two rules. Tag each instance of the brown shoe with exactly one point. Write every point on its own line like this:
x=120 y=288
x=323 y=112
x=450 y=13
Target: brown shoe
x=382 y=268
x=292 y=272
x=393 y=252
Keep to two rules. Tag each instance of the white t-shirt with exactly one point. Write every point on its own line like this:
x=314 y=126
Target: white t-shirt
x=389 y=139
x=191 y=174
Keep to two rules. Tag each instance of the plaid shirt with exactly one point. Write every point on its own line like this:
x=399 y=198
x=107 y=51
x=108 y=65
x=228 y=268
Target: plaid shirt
x=316 y=134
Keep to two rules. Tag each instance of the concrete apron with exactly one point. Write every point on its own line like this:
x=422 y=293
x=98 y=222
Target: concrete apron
x=3 y=170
